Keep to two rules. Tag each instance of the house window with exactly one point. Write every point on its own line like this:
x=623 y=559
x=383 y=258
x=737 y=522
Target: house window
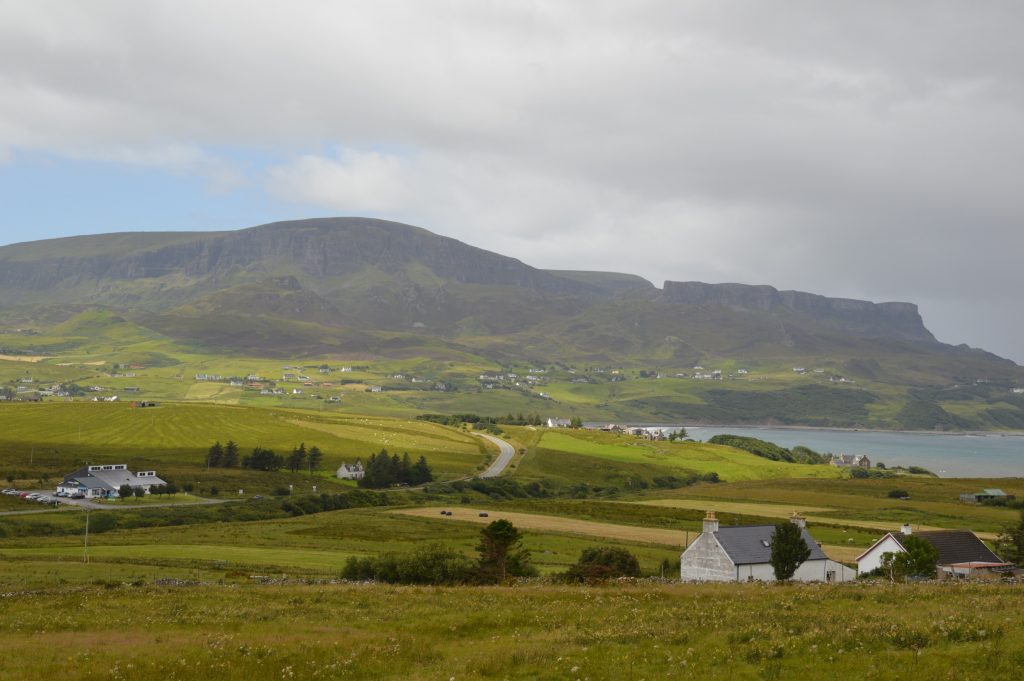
x=830 y=576
x=765 y=543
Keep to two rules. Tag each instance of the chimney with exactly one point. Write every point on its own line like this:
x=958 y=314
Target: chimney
x=711 y=522
x=798 y=520
x=906 y=529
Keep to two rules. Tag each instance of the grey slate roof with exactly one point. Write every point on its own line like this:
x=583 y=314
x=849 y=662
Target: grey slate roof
x=955 y=546
x=746 y=544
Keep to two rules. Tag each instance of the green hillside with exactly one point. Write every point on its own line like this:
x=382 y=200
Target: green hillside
x=390 y=297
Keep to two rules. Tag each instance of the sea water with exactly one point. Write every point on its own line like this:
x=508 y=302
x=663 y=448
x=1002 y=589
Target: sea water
x=991 y=455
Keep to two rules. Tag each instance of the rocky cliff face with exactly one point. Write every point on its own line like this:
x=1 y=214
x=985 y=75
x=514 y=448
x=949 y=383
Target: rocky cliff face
x=319 y=248
x=900 y=321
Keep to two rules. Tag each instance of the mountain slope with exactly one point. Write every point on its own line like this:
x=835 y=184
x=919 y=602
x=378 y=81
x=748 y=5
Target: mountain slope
x=372 y=288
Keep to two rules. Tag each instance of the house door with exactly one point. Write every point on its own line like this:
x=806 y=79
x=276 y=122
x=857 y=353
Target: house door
x=830 y=576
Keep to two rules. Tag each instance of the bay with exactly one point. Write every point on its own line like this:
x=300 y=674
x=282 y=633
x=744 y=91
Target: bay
x=990 y=455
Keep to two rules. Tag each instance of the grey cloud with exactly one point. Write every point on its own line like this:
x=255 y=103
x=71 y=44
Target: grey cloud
x=866 y=150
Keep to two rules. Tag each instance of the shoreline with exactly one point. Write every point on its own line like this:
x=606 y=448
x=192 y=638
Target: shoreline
x=825 y=429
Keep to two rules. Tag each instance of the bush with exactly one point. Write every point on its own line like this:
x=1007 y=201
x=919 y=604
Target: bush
x=603 y=562
x=899 y=494
x=433 y=564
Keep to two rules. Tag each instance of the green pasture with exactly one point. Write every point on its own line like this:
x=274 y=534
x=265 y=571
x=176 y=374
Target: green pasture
x=933 y=501
x=41 y=442
x=629 y=453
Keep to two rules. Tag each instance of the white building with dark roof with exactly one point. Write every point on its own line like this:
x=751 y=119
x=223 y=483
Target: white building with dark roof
x=742 y=553
x=351 y=471
x=95 y=482
x=961 y=554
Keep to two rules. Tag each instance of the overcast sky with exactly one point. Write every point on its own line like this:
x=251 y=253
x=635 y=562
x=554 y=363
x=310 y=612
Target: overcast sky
x=870 y=150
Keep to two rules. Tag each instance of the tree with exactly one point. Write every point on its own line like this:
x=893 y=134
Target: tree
x=315 y=458
x=124 y=491
x=263 y=460
x=215 y=455
x=918 y=560
x=575 y=422
x=501 y=553
x=139 y=492
x=297 y=459
x=230 y=458
x=1011 y=542
x=788 y=550
x=421 y=472
x=603 y=562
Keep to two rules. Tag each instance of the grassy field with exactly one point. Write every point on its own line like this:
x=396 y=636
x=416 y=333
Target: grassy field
x=41 y=442
x=608 y=458
x=637 y=632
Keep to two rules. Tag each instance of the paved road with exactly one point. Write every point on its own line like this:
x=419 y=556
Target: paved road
x=66 y=503
x=503 y=460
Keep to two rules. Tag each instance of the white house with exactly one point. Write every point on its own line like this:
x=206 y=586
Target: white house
x=105 y=480
x=351 y=471
x=558 y=423
x=961 y=553
x=742 y=553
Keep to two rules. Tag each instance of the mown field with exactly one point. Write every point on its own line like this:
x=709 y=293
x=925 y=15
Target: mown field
x=643 y=631
x=558 y=453
x=42 y=442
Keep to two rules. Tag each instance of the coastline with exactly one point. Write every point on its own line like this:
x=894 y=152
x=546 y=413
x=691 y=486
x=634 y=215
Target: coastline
x=823 y=429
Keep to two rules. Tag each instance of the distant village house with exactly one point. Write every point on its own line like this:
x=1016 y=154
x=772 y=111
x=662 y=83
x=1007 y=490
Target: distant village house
x=352 y=471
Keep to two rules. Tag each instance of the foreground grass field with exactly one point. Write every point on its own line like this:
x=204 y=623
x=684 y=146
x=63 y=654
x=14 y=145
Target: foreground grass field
x=618 y=632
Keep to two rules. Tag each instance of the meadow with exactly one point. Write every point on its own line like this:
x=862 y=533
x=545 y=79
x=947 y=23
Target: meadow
x=623 y=631
x=42 y=442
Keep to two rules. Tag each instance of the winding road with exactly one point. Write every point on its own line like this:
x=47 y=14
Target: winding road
x=504 y=457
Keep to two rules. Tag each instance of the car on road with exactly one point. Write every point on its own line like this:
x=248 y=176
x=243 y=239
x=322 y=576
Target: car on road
x=484 y=514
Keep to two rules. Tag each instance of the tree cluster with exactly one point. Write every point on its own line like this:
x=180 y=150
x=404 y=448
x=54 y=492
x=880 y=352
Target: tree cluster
x=384 y=470
x=222 y=456
x=599 y=563
x=261 y=459
x=500 y=556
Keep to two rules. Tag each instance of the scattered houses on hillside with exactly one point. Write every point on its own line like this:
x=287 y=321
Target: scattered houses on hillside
x=961 y=554
x=986 y=495
x=96 y=482
x=742 y=553
x=352 y=471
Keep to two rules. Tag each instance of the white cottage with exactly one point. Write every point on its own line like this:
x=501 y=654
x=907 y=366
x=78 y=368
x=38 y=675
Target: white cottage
x=351 y=471
x=961 y=553
x=742 y=553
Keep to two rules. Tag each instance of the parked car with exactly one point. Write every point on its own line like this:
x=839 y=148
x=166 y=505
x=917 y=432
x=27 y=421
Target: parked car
x=483 y=514
x=33 y=495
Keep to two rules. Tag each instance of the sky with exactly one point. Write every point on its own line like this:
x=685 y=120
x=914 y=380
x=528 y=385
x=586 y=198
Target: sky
x=865 y=150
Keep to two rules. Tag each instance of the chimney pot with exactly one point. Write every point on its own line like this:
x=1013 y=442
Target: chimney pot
x=711 y=522
x=906 y=529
